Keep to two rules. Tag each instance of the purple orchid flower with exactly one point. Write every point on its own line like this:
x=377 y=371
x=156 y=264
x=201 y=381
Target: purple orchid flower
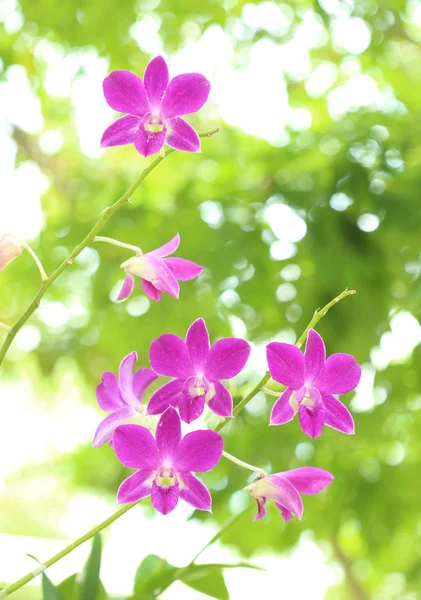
x=285 y=489
x=165 y=463
x=122 y=396
x=311 y=380
x=153 y=108
x=197 y=369
x=158 y=274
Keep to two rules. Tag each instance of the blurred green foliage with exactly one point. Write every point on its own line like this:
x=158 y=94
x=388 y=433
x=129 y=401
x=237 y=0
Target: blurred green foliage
x=369 y=519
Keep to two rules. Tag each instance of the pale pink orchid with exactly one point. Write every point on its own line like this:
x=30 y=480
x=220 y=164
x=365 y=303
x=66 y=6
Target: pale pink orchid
x=10 y=248
x=158 y=272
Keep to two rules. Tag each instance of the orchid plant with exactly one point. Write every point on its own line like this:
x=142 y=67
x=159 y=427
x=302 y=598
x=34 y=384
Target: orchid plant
x=153 y=437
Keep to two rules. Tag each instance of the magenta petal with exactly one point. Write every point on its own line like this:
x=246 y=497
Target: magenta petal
x=162 y=279
x=340 y=375
x=164 y=498
x=282 y=411
x=286 y=364
x=337 y=415
x=312 y=419
x=199 y=451
x=151 y=291
x=285 y=494
x=108 y=393
x=156 y=80
x=127 y=288
x=198 y=345
x=125 y=379
x=226 y=358
x=221 y=402
x=142 y=379
x=190 y=407
x=168 y=434
x=135 y=447
x=167 y=395
x=124 y=91
x=182 y=269
x=193 y=491
x=308 y=480
x=135 y=488
x=167 y=248
x=261 y=509
x=148 y=142
x=315 y=355
x=121 y=132
x=286 y=514
x=185 y=95
x=169 y=356
x=182 y=136
x=106 y=428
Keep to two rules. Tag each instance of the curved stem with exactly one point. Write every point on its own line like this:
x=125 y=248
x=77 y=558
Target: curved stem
x=5 y=327
x=104 y=218
x=107 y=240
x=243 y=464
x=36 y=260
x=18 y=584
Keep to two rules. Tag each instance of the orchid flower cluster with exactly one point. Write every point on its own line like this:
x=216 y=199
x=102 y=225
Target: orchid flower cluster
x=148 y=436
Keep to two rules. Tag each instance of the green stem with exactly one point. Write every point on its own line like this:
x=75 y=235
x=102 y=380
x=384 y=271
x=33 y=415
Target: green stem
x=104 y=218
x=243 y=464
x=319 y=314
x=36 y=260
x=18 y=584
x=107 y=240
x=5 y=327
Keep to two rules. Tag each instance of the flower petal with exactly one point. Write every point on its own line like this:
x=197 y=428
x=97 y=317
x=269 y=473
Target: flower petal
x=286 y=364
x=141 y=380
x=106 y=428
x=169 y=356
x=282 y=411
x=135 y=447
x=226 y=358
x=156 y=80
x=135 y=488
x=168 y=434
x=285 y=494
x=340 y=375
x=124 y=91
x=182 y=269
x=315 y=355
x=10 y=248
x=198 y=345
x=108 y=393
x=182 y=136
x=191 y=407
x=261 y=509
x=167 y=248
x=185 y=95
x=167 y=395
x=164 y=498
x=127 y=288
x=193 y=491
x=151 y=291
x=286 y=514
x=308 y=480
x=199 y=451
x=221 y=402
x=337 y=415
x=121 y=132
x=125 y=379
x=162 y=277
x=149 y=142
x=312 y=418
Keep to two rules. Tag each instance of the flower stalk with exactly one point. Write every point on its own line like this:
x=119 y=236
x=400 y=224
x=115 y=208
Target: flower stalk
x=106 y=214
x=107 y=240
x=5 y=327
x=243 y=464
x=37 y=261
x=125 y=508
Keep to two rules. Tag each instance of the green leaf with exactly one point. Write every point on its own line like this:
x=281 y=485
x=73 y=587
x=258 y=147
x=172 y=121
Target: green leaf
x=49 y=590
x=70 y=589
x=207 y=579
x=90 y=586
x=153 y=575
